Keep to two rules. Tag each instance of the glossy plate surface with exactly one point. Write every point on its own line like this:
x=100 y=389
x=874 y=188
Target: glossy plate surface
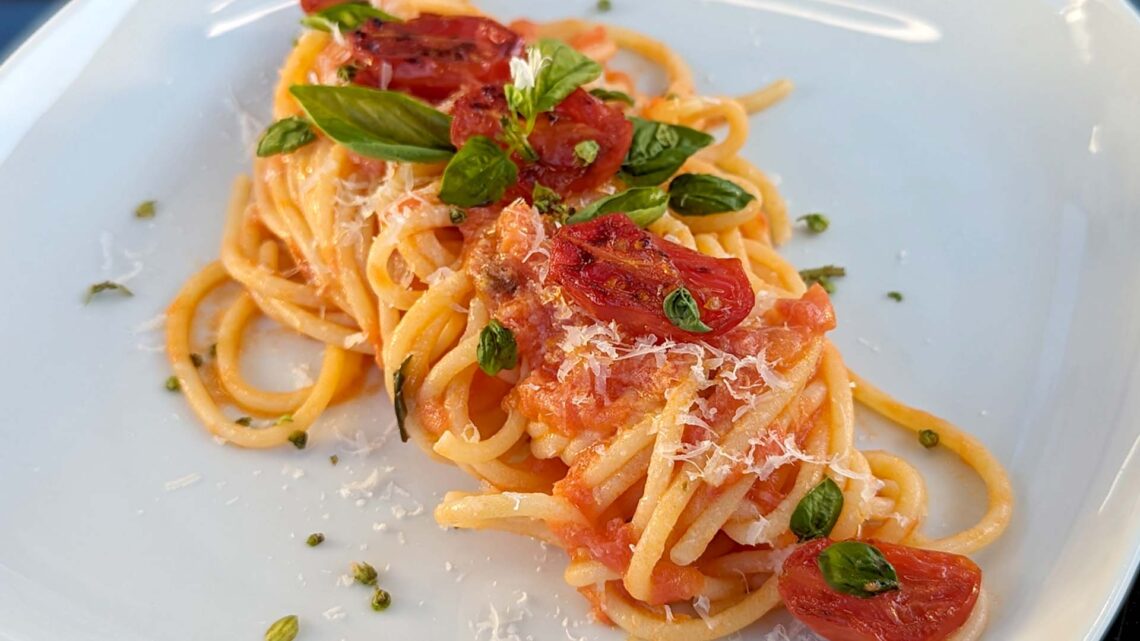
x=983 y=158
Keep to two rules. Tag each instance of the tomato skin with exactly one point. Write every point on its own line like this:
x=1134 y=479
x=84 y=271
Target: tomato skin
x=578 y=118
x=313 y=6
x=937 y=592
x=433 y=56
x=620 y=272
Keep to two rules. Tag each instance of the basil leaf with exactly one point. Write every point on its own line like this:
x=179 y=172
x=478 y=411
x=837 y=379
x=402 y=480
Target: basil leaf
x=379 y=124
x=643 y=205
x=346 y=17
x=609 y=95
x=823 y=276
x=478 y=175
x=817 y=511
x=564 y=71
x=400 y=403
x=857 y=568
x=497 y=349
x=704 y=194
x=658 y=150
x=284 y=136
x=681 y=309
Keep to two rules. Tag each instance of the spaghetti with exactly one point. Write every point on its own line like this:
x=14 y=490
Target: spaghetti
x=669 y=464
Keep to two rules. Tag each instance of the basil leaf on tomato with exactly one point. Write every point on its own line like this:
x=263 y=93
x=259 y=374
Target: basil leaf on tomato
x=816 y=513
x=285 y=136
x=643 y=205
x=609 y=95
x=479 y=174
x=347 y=16
x=401 y=405
x=705 y=194
x=857 y=568
x=497 y=349
x=658 y=150
x=379 y=124
x=563 y=70
x=682 y=310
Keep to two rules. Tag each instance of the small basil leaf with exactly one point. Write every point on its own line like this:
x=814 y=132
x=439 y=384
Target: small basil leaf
x=564 y=71
x=587 y=152
x=704 y=194
x=548 y=201
x=823 y=276
x=658 y=150
x=379 y=124
x=857 y=568
x=610 y=95
x=478 y=175
x=401 y=405
x=682 y=310
x=497 y=349
x=284 y=136
x=643 y=205
x=817 y=511
x=346 y=17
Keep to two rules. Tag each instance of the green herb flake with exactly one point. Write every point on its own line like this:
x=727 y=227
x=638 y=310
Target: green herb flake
x=213 y=350
x=497 y=349
x=816 y=223
x=587 y=152
x=315 y=539
x=299 y=439
x=605 y=5
x=857 y=568
x=283 y=419
x=817 y=512
x=347 y=73
x=146 y=209
x=547 y=201
x=283 y=629
x=895 y=296
x=928 y=438
x=705 y=194
x=245 y=421
x=334 y=459
x=285 y=136
x=197 y=359
x=610 y=95
x=398 y=380
x=823 y=276
x=106 y=286
x=363 y=573
x=347 y=16
x=682 y=310
x=172 y=384
x=381 y=600
x=479 y=174
x=643 y=205
x=458 y=215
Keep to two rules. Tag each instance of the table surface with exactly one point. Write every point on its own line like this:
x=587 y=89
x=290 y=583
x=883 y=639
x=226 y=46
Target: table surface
x=18 y=18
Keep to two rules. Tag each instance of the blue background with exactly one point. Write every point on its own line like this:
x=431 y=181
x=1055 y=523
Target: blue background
x=18 y=18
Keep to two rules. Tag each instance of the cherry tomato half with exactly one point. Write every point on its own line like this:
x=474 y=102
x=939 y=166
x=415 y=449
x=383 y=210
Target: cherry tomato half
x=578 y=118
x=620 y=272
x=433 y=56
x=937 y=592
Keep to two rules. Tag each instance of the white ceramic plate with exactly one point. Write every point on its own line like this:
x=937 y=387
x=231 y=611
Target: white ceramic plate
x=981 y=157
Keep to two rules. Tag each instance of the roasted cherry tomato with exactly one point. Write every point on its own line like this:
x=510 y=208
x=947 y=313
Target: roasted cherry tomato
x=937 y=592
x=620 y=272
x=433 y=56
x=578 y=118
x=313 y=6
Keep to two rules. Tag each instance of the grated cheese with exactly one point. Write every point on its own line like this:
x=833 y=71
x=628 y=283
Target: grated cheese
x=179 y=483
